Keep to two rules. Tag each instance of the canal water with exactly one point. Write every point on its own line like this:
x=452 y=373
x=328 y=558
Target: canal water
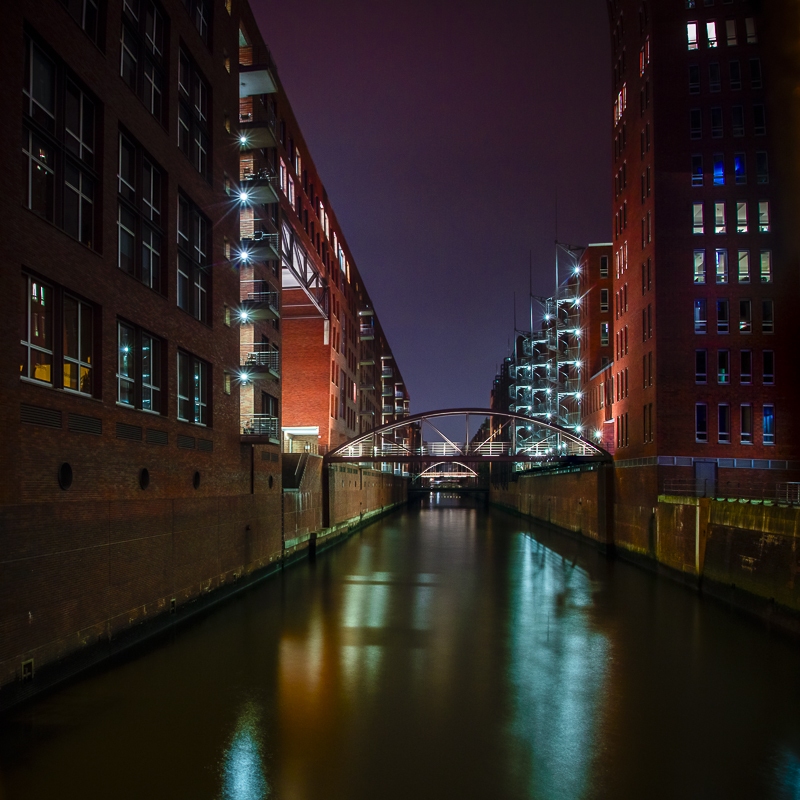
x=443 y=652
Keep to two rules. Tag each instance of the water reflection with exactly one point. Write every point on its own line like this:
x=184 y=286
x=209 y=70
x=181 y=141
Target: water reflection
x=558 y=668
x=242 y=768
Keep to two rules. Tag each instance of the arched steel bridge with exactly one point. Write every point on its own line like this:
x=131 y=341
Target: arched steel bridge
x=506 y=438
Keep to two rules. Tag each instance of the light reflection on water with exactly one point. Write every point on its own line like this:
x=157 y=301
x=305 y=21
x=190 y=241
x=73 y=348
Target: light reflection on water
x=242 y=766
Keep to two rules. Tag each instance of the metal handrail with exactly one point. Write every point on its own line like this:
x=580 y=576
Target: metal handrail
x=259 y=425
x=259 y=355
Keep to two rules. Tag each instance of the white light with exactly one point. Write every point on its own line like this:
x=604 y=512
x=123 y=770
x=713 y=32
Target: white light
x=244 y=196
x=577 y=270
x=244 y=315
x=244 y=255
x=598 y=435
x=244 y=377
x=243 y=139
x=578 y=428
x=578 y=395
x=547 y=316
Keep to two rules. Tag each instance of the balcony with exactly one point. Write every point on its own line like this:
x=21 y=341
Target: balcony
x=366 y=333
x=257 y=124
x=259 y=361
x=256 y=72
x=260 y=427
x=388 y=409
x=387 y=372
x=258 y=301
x=258 y=246
x=366 y=387
x=387 y=391
x=258 y=186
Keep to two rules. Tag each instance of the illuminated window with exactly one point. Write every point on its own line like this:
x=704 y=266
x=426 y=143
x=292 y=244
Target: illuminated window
x=730 y=31
x=750 y=30
x=700 y=316
x=766 y=266
x=126 y=356
x=691 y=35
x=711 y=33
x=697 y=218
x=139 y=377
x=740 y=168
x=763 y=216
x=193 y=377
x=741 y=217
x=77 y=345
x=744 y=266
x=697 y=170
x=768 y=424
x=37 y=331
x=699 y=266
x=721 y=266
x=719 y=218
x=719 y=170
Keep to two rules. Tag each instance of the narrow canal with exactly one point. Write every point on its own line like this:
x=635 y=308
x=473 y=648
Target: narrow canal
x=443 y=652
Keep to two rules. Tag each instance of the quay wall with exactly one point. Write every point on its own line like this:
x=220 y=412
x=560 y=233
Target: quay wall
x=742 y=552
x=78 y=580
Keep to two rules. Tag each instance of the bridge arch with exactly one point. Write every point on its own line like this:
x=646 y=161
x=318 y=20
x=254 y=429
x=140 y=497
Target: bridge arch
x=502 y=436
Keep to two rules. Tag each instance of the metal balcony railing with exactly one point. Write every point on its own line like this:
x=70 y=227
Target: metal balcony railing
x=367 y=332
x=260 y=357
x=259 y=292
x=387 y=372
x=259 y=425
x=742 y=491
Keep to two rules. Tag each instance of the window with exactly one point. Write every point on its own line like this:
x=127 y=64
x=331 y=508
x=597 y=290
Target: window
x=142 y=63
x=604 y=299
x=723 y=316
x=58 y=145
x=719 y=217
x=193 y=115
x=87 y=14
x=603 y=266
x=723 y=366
x=694 y=79
x=755 y=73
x=763 y=216
x=711 y=33
x=740 y=168
x=750 y=30
x=691 y=35
x=745 y=367
x=766 y=266
x=699 y=266
x=200 y=13
x=139 y=241
x=744 y=266
x=139 y=368
x=193 y=260
x=700 y=366
x=697 y=170
x=719 y=170
x=714 y=79
x=37 y=330
x=723 y=423
x=767 y=316
x=768 y=424
x=700 y=316
x=716 y=122
x=759 y=120
x=77 y=344
x=193 y=384
x=737 y=120
x=769 y=367
x=745 y=316
x=762 y=167
x=746 y=424
x=695 y=124
x=736 y=75
x=721 y=263
x=741 y=217
x=697 y=218
x=604 y=334
x=730 y=32
x=701 y=422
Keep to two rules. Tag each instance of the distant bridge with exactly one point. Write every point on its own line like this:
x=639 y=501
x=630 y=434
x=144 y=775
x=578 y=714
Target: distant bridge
x=500 y=437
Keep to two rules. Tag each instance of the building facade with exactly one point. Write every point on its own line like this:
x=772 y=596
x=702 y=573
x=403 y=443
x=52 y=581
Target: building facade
x=705 y=265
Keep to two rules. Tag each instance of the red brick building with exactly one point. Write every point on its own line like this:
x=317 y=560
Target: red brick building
x=706 y=252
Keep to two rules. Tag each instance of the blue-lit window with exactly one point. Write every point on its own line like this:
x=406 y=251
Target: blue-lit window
x=769 y=424
x=697 y=170
x=740 y=168
x=719 y=170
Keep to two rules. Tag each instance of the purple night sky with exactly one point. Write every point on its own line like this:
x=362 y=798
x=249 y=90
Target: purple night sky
x=442 y=132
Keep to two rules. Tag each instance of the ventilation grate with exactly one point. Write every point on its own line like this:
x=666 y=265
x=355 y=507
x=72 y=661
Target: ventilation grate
x=206 y=445
x=186 y=442
x=35 y=415
x=78 y=423
x=157 y=437
x=133 y=433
